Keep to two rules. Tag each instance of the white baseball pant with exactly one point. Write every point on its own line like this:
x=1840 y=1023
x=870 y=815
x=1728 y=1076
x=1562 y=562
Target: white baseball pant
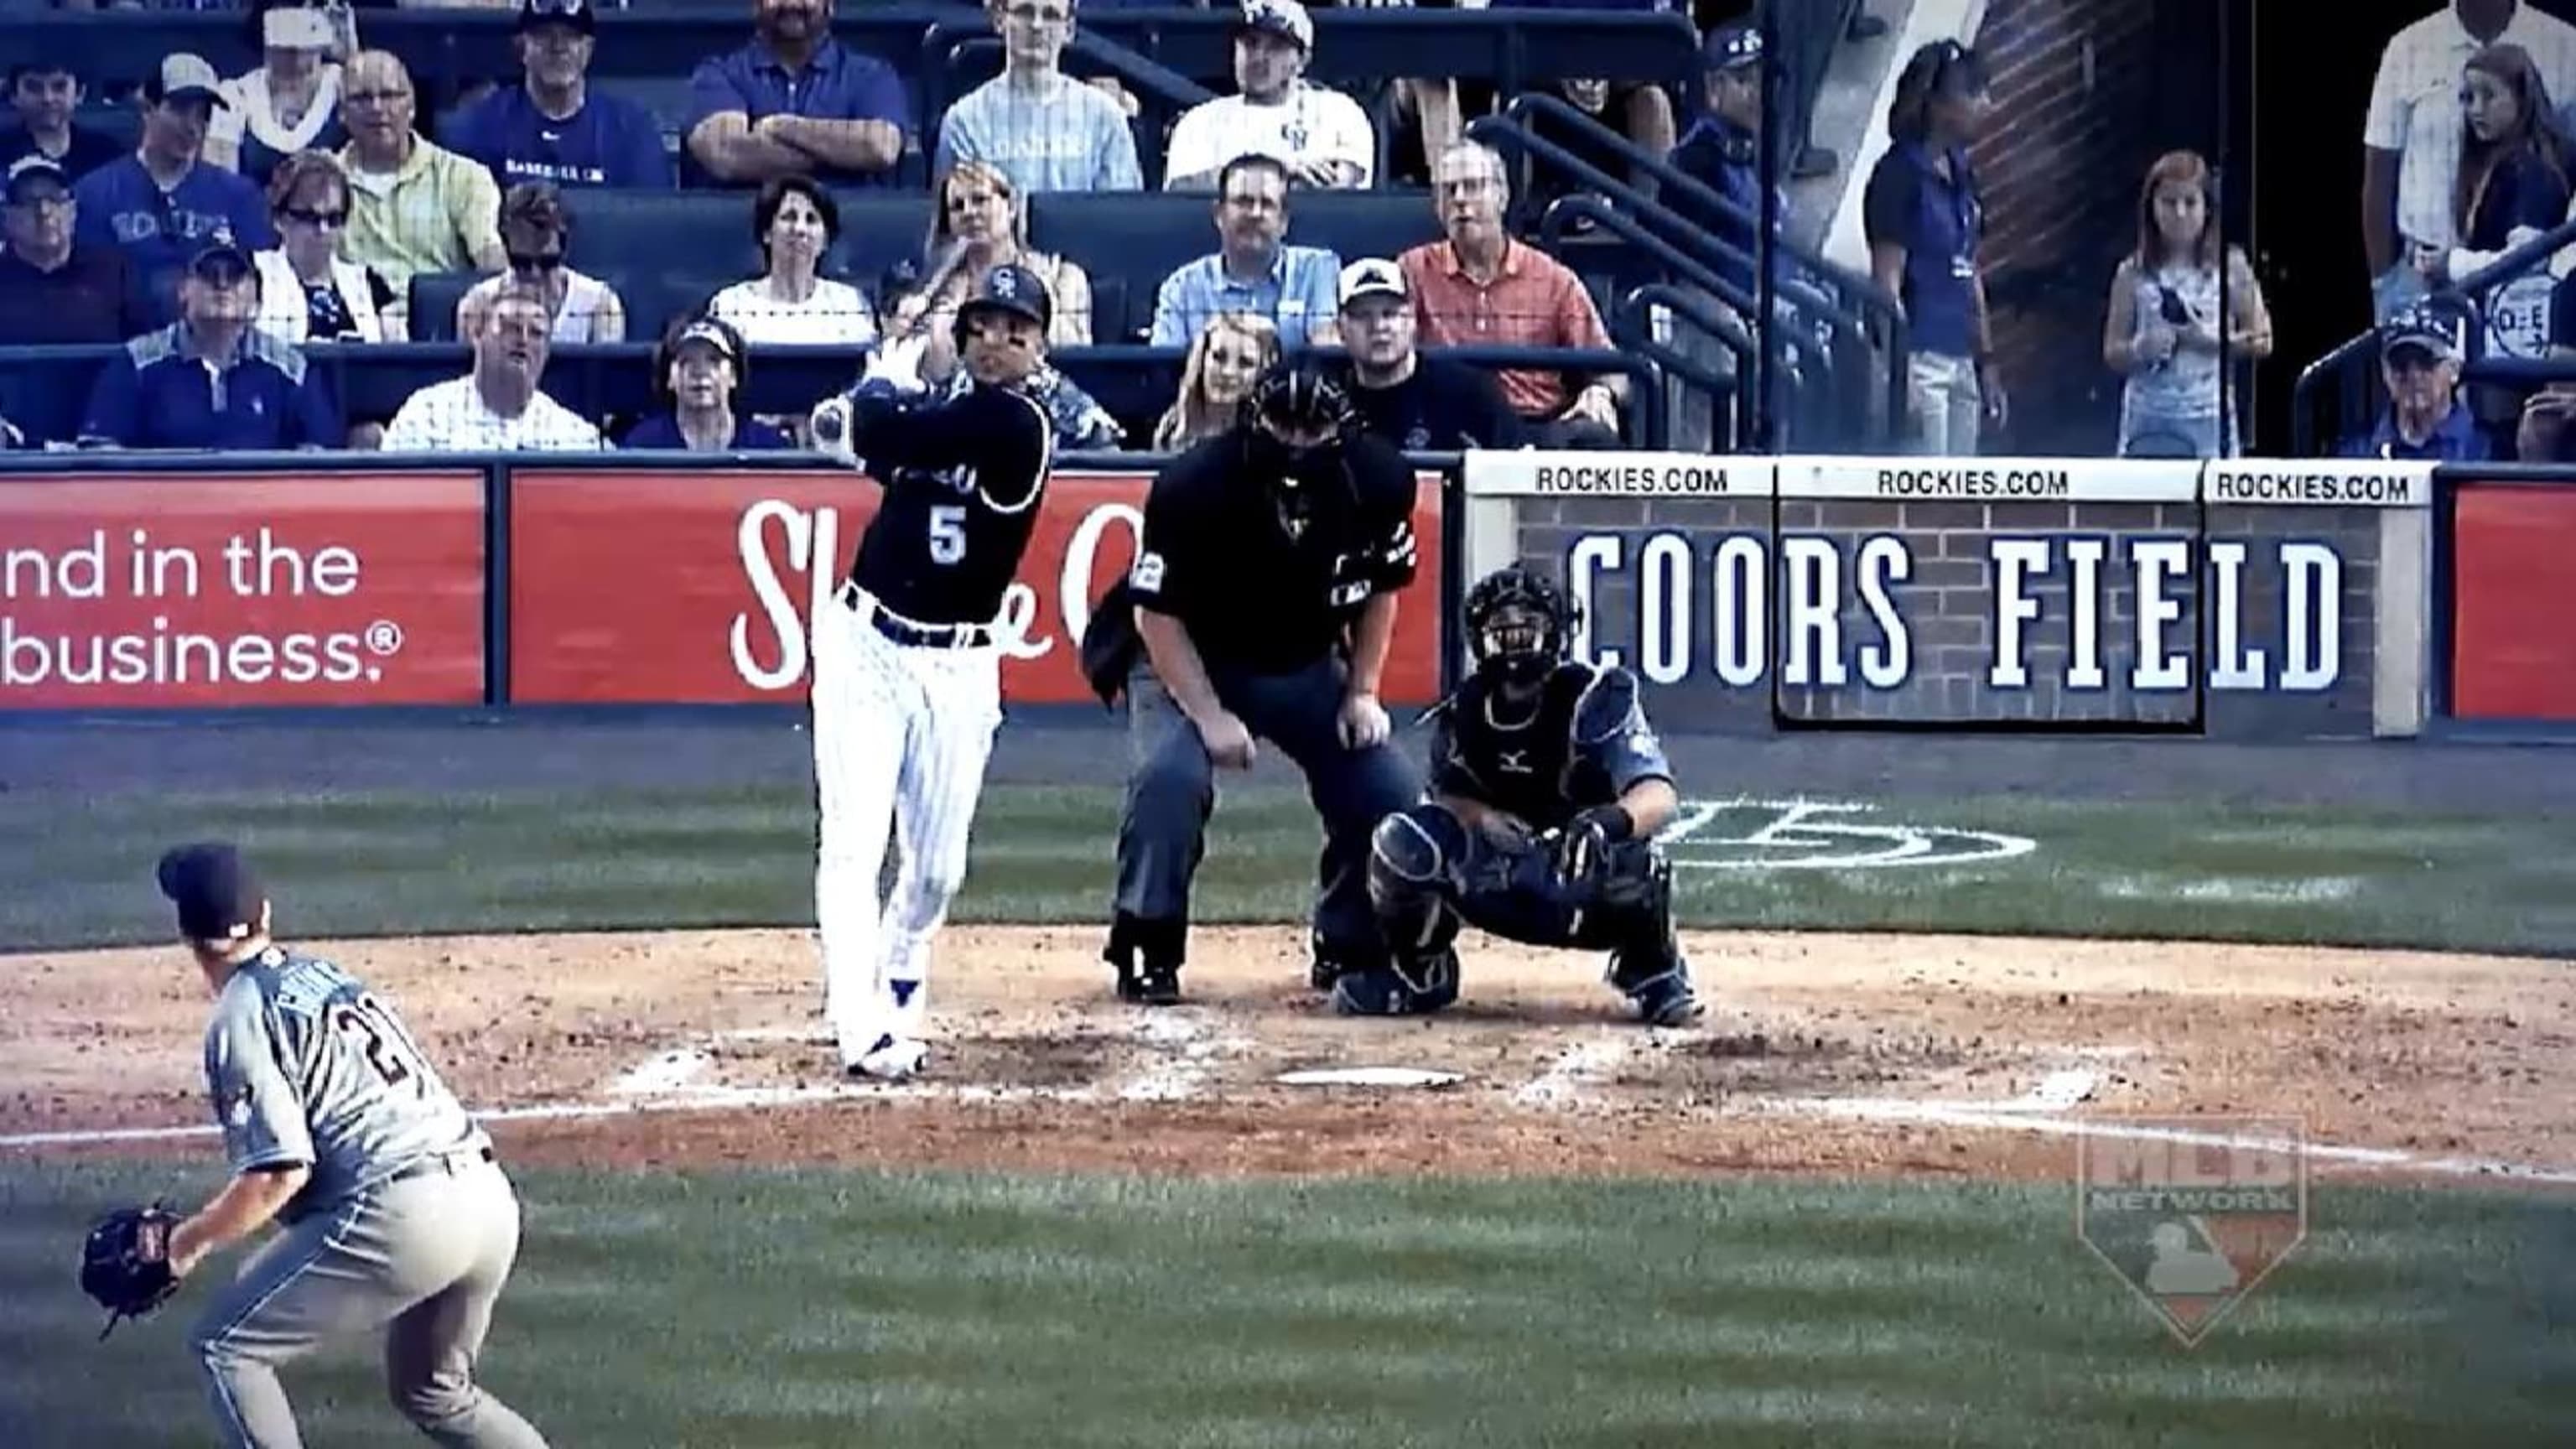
x=902 y=733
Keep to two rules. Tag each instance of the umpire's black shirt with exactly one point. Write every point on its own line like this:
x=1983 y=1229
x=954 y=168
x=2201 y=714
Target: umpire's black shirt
x=1217 y=556
x=1444 y=407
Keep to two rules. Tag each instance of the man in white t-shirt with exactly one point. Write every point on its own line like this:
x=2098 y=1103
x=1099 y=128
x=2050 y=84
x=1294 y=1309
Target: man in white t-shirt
x=2411 y=142
x=497 y=408
x=1322 y=136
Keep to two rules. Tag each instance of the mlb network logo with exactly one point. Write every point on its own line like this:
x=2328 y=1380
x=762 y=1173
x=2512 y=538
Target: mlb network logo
x=2192 y=1212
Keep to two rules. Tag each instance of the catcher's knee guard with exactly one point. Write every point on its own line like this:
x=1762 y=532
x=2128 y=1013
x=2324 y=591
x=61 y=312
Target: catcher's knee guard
x=1414 y=856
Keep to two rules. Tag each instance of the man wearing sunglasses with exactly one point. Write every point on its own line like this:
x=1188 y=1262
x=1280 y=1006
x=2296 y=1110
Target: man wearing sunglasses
x=415 y=206
x=54 y=290
x=164 y=204
x=552 y=128
x=212 y=381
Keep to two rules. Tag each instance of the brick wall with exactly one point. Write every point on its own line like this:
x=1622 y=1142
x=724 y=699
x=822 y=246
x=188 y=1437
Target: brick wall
x=2073 y=87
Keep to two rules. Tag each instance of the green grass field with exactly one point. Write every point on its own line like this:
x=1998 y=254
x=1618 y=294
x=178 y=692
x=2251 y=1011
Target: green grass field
x=812 y=1310
x=830 y=1309
x=388 y=864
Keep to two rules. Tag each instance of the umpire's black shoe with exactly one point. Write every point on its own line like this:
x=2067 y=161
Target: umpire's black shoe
x=1148 y=957
x=1150 y=985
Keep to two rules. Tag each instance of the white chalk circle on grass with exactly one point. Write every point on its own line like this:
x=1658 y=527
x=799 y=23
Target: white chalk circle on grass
x=1821 y=835
x=1369 y=1077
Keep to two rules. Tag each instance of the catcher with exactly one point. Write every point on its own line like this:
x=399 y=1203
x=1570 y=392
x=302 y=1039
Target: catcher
x=1547 y=787
x=393 y=1209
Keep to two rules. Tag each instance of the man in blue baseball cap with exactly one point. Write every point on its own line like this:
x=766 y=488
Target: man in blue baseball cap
x=1723 y=148
x=2419 y=358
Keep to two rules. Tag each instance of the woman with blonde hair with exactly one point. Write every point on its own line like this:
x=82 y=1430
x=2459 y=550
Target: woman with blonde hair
x=1225 y=359
x=291 y=103
x=2184 y=306
x=979 y=223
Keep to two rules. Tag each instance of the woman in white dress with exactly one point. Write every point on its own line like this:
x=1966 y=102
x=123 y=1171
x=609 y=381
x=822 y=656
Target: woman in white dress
x=535 y=228
x=791 y=303
x=292 y=102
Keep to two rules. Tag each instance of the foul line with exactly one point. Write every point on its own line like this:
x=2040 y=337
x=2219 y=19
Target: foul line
x=2018 y=1117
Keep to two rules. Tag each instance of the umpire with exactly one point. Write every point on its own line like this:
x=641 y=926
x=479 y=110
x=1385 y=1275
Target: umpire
x=1264 y=595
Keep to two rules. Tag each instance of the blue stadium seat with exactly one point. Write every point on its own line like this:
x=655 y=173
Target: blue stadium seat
x=433 y=298
x=670 y=245
x=1130 y=242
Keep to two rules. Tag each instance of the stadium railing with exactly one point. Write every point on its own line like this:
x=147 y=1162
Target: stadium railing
x=603 y=381
x=2339 y=394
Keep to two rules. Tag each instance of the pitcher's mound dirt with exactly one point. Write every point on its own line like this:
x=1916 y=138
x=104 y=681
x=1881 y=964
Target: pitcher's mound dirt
x=715 y=1040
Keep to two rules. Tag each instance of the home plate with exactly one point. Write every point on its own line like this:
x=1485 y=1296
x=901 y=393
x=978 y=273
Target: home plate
x=1370 y=1077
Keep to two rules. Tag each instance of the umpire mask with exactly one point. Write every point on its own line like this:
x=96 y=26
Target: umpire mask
x=1295 y=419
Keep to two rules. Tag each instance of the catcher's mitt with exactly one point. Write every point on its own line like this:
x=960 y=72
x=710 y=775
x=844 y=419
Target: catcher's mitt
x=1581 y=849
x=125 y=1264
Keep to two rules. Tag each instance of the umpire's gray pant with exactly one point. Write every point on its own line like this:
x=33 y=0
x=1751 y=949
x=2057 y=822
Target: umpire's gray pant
x=424 y=1258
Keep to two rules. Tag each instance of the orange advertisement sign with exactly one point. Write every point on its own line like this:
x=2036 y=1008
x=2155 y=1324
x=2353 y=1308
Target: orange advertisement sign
x=663 y=587
x=159 y=591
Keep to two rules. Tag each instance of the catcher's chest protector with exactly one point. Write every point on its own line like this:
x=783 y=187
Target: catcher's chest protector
x=1525 y=761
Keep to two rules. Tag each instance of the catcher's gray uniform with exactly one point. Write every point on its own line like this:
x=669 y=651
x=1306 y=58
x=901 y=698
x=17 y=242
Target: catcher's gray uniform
x=407 y=1223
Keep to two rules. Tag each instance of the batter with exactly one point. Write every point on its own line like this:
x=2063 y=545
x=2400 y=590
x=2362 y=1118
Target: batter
x=907 y=673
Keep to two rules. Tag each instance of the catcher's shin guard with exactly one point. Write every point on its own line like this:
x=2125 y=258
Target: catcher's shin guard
x=1414 y=859
x=1647 y=966
x=1147 y=955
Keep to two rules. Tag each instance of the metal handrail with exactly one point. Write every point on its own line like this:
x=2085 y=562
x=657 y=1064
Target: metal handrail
x=1632 y=325
x=2336 y=365
x=1689 y=269
x=1859 y=286
x=1897 y=334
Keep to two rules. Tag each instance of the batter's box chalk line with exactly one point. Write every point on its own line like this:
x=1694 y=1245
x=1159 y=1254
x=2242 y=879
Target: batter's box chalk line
x=1183 y=1050
x=1568 y=1080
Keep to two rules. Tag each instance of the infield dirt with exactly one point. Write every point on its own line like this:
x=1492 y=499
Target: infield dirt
x=1037 y=1068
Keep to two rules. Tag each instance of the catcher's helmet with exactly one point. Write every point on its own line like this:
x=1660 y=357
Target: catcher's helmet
x=1008 y=288
x=1519 y=623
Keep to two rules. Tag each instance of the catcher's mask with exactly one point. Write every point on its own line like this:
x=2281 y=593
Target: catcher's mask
x=1519 y=624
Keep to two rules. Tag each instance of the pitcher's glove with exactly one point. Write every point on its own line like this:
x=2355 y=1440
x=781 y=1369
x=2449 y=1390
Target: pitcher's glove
x=125 y=1264
x=1580 y=848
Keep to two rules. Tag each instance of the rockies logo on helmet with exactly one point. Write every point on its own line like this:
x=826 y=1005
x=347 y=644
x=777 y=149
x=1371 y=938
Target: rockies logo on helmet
x=1008 y=288
x=1519 y=622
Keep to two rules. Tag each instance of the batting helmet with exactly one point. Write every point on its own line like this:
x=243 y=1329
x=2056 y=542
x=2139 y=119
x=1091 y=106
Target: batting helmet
x=1008 y=288
x=1519 y=622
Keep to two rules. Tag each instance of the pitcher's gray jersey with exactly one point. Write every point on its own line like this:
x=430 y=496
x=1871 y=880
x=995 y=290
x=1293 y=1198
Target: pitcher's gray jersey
x=305 y=1065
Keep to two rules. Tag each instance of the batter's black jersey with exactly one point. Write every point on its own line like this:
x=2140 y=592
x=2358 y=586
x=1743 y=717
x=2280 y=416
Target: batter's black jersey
x=962 y=479
x=1254 y=590
x=1585 y=744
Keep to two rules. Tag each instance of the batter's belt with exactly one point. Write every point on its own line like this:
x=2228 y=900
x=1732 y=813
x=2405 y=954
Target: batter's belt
x=913 y=633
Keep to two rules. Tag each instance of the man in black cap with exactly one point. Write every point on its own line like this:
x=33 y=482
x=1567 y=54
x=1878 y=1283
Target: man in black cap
x=1264 y=599
x=394 y=1210
x=211 y=381
x=907 y=689
x=53 y=291
x=555 y=128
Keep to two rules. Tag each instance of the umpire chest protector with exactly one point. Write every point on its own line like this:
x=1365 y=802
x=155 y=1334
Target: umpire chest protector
x=1579 y=744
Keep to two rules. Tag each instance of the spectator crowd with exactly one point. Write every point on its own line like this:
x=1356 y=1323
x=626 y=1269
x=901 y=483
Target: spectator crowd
x=320 y=197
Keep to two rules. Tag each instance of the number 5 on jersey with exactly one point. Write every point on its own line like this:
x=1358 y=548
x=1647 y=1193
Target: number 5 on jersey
x=947 y=532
